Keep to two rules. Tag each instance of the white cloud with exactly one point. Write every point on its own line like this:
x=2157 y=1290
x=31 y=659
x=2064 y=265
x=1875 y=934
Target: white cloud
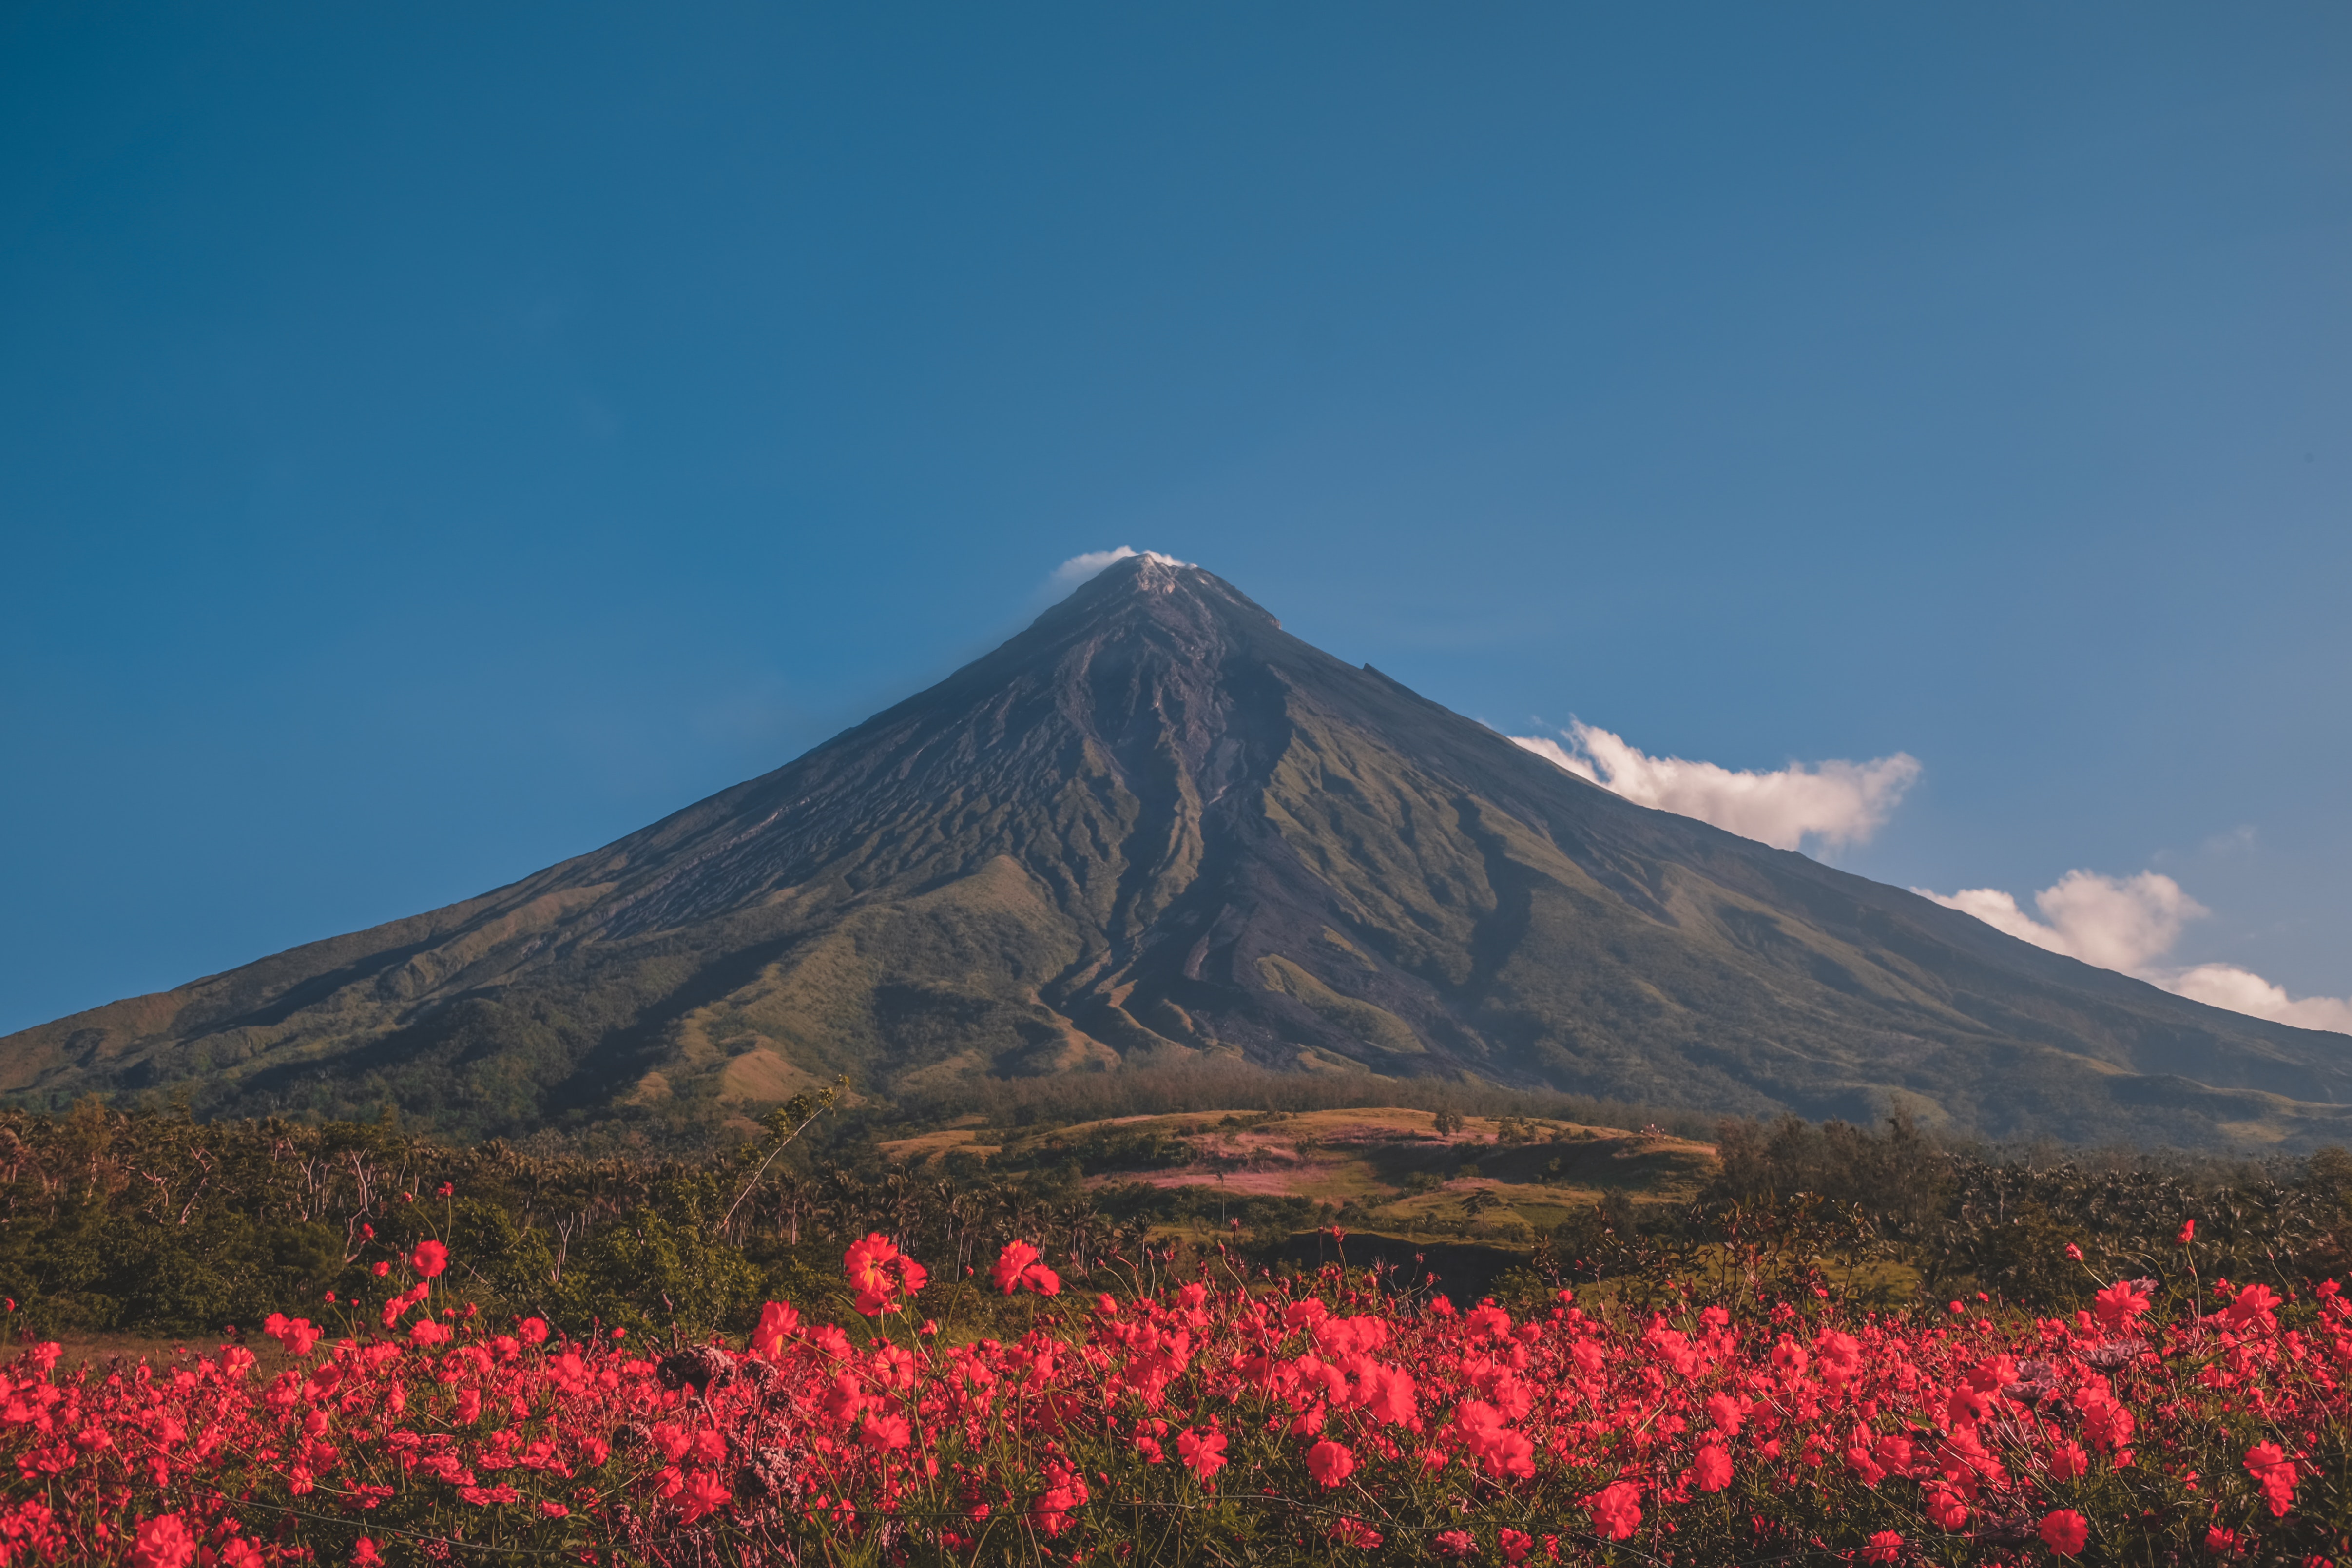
x=2243 y=991
x=2123 y=924
x=2131 y=924
x=1078 y=569
x=1833 y=803
x=1082 y=568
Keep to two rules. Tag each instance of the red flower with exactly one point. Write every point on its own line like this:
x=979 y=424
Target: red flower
x=365 y=1555
x=704 y=1493
x=1390 y=1395
x=1204 y=1452
x=1945 y=1507
x=430 y=1258
x=2253 y=1302
x=868 y=1263
x=2274 y=1473
x=1017 y=1267
x=163 y=1542
x=2064 y=1532
x=1016 y=1256
x=516 y=1421
x=1330 y=1462
x=1509 y=1453
x=2120 y=1302
x=297 y=1336
x=1616 y=1510
x=2187 y=1232
x=777 y=1323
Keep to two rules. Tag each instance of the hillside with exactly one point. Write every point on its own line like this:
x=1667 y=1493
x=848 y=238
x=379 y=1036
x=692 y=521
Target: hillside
x=1154 y=829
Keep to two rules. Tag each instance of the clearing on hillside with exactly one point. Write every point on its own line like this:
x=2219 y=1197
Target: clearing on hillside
x=1499 y=1179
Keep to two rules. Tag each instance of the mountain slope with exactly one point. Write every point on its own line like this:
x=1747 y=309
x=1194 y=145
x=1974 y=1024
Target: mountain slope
x=1156 y=828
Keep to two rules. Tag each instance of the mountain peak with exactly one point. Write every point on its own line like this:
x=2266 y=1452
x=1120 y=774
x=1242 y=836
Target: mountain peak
x=1151 y=829
x=1163 y=585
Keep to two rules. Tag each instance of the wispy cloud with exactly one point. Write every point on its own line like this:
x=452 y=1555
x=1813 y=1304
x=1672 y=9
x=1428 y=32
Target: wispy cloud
x=2131 y=924
x=1079 y=569
x=1831 y=804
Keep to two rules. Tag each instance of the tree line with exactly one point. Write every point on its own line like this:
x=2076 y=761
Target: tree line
x=1896 y=1214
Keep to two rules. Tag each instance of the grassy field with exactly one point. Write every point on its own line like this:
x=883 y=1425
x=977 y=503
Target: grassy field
x=1495 y=1179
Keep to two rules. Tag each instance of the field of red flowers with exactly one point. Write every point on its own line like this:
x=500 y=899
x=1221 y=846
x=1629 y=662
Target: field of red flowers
x=1319 y=1419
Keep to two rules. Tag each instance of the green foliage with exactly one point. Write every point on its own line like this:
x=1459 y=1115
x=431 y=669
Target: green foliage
x=650 y=1271
x=1106 y=1149
x=159 y=1225
x=1892 y=1215
x=89 y=1266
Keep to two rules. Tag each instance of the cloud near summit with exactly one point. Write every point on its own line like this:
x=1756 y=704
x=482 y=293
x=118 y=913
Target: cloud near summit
x=1833 y=803
x=1084 y=567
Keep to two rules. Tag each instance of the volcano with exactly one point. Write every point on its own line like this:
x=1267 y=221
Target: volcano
x=1155 y=830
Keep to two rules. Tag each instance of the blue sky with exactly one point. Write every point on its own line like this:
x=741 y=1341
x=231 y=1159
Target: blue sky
x=436 y=440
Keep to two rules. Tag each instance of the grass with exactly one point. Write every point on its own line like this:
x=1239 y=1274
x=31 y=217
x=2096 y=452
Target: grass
x=925 y=1148
x=1387 y=1165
